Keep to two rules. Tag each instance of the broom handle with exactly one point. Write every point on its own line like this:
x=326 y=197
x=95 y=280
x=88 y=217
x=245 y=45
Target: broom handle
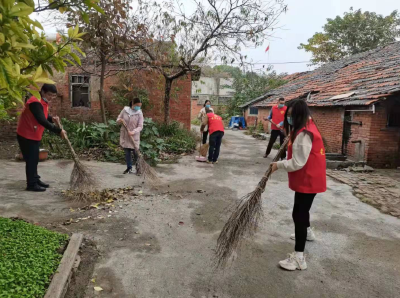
x=133 y=140
x=274 y=123
x=74 y=156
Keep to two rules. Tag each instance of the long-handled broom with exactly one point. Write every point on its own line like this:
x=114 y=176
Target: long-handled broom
x=81 y=177
x=142 y=166
x=245 y=217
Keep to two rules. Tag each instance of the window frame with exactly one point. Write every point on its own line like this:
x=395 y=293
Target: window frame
x=83 y=84
x=251 y=114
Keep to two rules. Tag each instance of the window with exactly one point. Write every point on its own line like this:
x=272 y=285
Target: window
x=253 y=111
x=80 y=90
x=394 y=115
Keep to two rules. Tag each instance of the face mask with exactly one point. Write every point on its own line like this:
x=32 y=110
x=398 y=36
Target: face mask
x=208 y=106
x=290 y=121
x=136 y=108
x=281 y=105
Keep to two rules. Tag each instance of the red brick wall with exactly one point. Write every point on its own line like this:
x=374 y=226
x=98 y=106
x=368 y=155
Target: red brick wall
x=360 y=132
x=195 y=109
x=8 y=128
x=383 y=149
x=330 y=124
x=152 y=82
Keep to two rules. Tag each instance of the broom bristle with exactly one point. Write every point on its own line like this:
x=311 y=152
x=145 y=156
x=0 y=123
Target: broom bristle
x=81 y=177
x=245 y=217
x=204 y=149
x=147 y=171
x=243 y=221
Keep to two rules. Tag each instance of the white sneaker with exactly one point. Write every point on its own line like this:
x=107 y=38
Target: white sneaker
x=293 y=262
x=310 y=235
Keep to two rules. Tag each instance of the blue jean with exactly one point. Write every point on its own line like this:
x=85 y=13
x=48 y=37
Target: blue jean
x=129 y=153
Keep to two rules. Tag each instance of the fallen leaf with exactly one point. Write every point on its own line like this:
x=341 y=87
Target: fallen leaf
x=93 y=280
x=148 y=244
x=181 y=223
x=71 y=210
x=98 y=289
x=140 y=192
x=110 y=200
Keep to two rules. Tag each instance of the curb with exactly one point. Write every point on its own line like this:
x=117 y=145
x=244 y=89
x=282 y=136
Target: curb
x=70 y=260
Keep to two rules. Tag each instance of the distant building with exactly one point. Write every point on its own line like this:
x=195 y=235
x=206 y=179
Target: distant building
x=355 y=102
x=218 y=90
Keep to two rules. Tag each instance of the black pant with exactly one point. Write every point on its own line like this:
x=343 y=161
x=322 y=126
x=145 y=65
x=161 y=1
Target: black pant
x=215 y=145
x=301 y=218
x=205 y=135
x=129 y=153
x=274 y=135
x=30 y=152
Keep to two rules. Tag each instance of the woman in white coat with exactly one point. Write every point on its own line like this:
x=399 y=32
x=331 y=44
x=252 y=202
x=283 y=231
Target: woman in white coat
x=202 y=114
x=133 y=117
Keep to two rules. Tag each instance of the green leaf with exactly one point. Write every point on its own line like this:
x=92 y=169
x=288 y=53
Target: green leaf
x=20 y=10
x=78 y=49
x=85 y=17
x=34 y=93
x=25 y=46
x=44 y=80
x=76 y=58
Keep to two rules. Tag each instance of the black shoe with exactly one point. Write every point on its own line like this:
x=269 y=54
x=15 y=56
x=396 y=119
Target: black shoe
x=36 y=188
x=128 y=171
x=42 y=184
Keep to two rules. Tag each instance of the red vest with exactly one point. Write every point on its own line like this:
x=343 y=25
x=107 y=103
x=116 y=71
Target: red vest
x=278 y=115
x=215 y=123
x=312 y=177
x=28 y=127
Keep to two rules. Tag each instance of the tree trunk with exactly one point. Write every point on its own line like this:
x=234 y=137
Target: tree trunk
x=101 y=91
x=167 y=97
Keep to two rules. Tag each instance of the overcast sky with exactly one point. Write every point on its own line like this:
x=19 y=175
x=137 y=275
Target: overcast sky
x=303 y=19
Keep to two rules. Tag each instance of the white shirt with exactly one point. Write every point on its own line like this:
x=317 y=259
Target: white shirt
x=301 y=149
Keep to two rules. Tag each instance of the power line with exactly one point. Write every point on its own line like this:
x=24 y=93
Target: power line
x=291 y=62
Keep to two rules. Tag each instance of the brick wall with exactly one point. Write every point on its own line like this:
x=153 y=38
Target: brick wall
x=8 y=128
x=383 y=149
x=150 y=81
x=330 y=124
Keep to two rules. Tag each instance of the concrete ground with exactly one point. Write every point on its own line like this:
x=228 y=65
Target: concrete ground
x=160 y=243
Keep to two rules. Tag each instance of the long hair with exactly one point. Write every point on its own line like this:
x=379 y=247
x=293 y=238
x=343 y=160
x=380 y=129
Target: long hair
x=205 y=103
x=300 y=114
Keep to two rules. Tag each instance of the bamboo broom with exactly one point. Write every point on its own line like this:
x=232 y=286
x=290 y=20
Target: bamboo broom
x=81 y=177
x=245 y=217
x=141 y=165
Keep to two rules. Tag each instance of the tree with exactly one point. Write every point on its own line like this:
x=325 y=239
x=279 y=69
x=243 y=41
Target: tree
x=250 y=85
x=356 y=32
x=176 y=41
x=106 y=42
x=26 y=57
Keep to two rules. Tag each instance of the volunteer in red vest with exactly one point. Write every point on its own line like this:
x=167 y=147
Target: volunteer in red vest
x=32 y=122
x=306 y=167
x=216 y=131
x=276 y=115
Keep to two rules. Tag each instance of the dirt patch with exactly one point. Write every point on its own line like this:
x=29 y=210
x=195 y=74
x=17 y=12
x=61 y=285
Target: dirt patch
x=8 y=149
x=108 y=281
x=380 y=190
x=80 y=280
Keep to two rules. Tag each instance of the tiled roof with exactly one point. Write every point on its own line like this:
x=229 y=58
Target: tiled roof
x=360 y=79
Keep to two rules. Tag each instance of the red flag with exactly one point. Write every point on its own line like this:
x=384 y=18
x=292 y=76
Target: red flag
x=267 y=49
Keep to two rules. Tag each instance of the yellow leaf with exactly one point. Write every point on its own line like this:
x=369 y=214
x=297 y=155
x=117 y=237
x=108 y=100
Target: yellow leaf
x=98 y=289
x=44 y=81
x=24 y=45
x=93 y=280
x=38 y=73
x=76 y=31
x=70 y=32
x=62 y=9
x=110 y=201
x=37 y=95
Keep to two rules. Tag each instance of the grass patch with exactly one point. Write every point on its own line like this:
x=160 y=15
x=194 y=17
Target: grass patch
x=29 y=256
x=196 y=122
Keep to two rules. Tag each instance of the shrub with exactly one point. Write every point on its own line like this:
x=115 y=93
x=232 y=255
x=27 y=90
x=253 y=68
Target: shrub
x=196 y=122
x=178 y=140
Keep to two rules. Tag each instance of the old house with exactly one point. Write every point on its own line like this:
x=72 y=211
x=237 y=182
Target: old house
x=355 y=102
x=218 y=90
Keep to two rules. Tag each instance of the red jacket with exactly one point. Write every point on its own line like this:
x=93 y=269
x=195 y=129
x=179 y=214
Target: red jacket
x=215 y=123
x=278 y=115
x=28 y=127
x=312 y=177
